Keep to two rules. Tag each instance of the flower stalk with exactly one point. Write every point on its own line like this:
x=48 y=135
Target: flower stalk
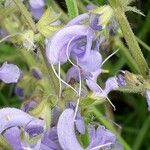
x=129 y=37
x=53 y=81
x=26 y=14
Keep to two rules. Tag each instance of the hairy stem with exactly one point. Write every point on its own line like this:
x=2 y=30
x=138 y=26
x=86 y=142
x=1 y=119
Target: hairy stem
x=129 y=37
x=72 y=8
x=53 y=81
x=26 y=14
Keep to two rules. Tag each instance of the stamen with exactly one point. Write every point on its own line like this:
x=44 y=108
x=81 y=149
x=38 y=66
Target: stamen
x=109 y=57
x=117 y=125
x=60 y=89
x=101 y=146
x=80 y=84
x=107 y=98
x=79 y=94
x=9 y=36
x=62 y=79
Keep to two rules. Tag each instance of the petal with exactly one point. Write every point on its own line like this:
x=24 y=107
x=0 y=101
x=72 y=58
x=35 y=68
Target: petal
x=77 y=20
x=19 y=91
x=106 y=135
x=148 y=99
x=110 y=85
x=9 y=73
x=56 y=112
x=37 y=73
x=13 y=137
x=95 y=23
x=92 y=62
x=11 y=117
x=92 y=82
x=120 y=77
x=37 y=3
x=66 y=131
x=34 y=130
x=72 y=74
x=90 y=7
x=53 y=134
x=59 y=42
x=29 y=105
x=113 y=27
x=101 y=139
x=50 y=140
x=92 y=132
x=79 y=122
x=37 y=13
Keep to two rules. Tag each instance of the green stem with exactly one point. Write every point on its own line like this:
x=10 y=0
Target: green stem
x=127 y=56
x=72 y=8
x=141 y=135
x=129 y=37
x=110 y=127
x=145 y=29
x=147 y=47
x=26 y=14
x=52 y=79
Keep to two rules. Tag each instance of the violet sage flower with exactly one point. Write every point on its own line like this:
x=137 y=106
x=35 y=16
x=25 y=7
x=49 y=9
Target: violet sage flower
x=19 y=92
x=12 y=118
x=75 y=41
x=37 y=7
x=148 y=99
x=37 y=73
x=9 y=73
x=100 y=138
x=79 y=121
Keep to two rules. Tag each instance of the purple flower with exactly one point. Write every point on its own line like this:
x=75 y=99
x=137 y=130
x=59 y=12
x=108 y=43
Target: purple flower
x=12 y=118
x=74 y=41
x=37 y=73
x=50 y=140
x=79 y=121
x=148 y=99
x=95 y=23
x=100 y=138
x=29 y=105
x=12 y=135
x=66 y=131
x=9 y=73
x=90 y=7
x=19 y=92
x=110 y=85
x=113 y=27
x=37 y=7
x=121 y=79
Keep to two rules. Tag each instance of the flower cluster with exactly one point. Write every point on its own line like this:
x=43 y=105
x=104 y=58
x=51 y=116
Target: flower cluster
x=78 y=42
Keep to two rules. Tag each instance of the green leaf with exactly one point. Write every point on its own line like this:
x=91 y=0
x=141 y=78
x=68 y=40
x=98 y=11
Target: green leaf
x=72 y=8
x=45 y=26
x=134 y=9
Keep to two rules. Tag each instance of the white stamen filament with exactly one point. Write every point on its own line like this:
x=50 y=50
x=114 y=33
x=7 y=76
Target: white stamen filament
x=9 y=36
x=80 y=88
x=107 y=98
x=101 y=146
x=62 y=79
x=109 y=57
x=60 y=89
x=80 y=84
